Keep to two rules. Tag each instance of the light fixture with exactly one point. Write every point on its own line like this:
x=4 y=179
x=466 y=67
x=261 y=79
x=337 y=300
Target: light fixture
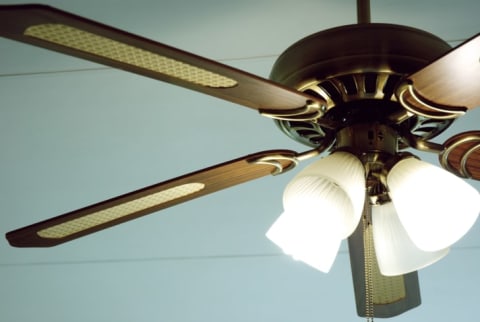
x=322 y=206
x=435 y=207
x=395 y=251
x=417 y=210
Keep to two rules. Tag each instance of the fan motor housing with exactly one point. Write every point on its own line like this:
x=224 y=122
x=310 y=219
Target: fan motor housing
x=355 y=69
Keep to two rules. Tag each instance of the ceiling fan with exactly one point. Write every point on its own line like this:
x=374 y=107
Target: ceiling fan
x=363 y=92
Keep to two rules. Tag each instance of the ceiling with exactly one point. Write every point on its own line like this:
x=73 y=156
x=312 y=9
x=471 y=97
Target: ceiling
x=73 y=133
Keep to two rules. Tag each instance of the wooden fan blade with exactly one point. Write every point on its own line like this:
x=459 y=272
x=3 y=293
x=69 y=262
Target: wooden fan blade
x=132 y=205
x=451 y=82
x=60 y=31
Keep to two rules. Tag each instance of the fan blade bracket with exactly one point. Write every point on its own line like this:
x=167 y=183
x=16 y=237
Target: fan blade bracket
x=311 y=111
x=420 y=144
x=461 y=155
x=284 y=162
x=414 y=103
x=276 y=162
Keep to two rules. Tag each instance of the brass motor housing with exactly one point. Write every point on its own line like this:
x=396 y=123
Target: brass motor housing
x=355 y=69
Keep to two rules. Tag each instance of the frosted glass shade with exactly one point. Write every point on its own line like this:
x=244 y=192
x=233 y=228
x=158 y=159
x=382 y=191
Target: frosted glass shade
x=305 y=237
x=435 y=207
x=396 y=253
x=333 y=187
x=323 y=205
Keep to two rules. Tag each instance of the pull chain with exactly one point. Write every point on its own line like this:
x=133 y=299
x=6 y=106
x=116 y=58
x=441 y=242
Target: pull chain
x=368 y=262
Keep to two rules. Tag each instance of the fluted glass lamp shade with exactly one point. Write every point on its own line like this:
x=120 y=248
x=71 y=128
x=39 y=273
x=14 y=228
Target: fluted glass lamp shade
x=396 y=253
x=323 y=205
x=334 y=187
x=435 y=207
x=304 y=237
